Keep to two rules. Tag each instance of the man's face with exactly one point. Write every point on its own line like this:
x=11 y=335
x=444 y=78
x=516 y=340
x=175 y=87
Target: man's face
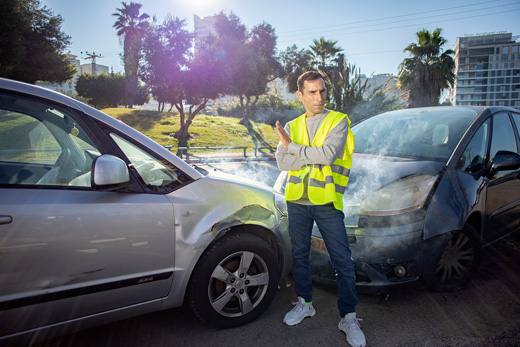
x=313 y=96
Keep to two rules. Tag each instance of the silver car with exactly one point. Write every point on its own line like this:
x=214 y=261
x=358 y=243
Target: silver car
x=99 y=223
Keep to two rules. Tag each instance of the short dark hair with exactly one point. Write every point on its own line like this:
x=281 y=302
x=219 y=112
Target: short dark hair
x=308 y=76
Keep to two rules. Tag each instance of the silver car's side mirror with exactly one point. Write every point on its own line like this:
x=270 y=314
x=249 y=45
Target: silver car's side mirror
x=109 y=173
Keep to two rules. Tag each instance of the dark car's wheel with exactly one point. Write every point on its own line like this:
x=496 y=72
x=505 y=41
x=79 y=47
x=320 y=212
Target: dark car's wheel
x=459 y=261
x=234 y=281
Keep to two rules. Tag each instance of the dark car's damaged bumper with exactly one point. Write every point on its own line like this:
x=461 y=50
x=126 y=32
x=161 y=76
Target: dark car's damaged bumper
x=386 y=259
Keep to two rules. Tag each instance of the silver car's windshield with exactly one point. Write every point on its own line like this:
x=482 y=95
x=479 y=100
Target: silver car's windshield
x=429 y=134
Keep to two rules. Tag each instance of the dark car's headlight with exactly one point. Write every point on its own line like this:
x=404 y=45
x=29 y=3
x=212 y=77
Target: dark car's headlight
x=405 y=195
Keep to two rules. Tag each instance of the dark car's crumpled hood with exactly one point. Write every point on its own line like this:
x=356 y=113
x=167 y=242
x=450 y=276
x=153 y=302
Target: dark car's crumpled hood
x=370 y=172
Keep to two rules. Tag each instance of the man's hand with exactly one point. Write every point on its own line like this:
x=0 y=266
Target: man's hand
x=284 y=138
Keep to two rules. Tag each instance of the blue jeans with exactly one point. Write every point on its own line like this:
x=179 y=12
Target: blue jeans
x=332 y=228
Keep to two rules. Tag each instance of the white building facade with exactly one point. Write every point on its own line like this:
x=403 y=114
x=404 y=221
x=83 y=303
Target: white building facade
x=488 y=70
x=69 y=87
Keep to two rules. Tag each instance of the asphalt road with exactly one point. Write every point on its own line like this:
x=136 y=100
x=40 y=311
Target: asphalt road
x=486 y=313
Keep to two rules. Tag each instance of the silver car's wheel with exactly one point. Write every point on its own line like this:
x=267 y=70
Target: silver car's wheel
x=238 y=284
x=234 y=281
x=459 y=261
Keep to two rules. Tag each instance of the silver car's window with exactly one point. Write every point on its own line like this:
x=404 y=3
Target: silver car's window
x=153 y=172
x=474 y=157
x=429 y=134
x=41 y=144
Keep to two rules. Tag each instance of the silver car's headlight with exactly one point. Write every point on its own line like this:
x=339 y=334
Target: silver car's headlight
x=405 y=195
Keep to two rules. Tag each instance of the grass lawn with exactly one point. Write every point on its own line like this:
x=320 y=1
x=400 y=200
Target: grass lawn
x=205 y=131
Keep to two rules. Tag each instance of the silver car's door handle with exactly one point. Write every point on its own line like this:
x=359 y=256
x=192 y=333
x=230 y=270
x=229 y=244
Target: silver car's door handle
x=6 y=219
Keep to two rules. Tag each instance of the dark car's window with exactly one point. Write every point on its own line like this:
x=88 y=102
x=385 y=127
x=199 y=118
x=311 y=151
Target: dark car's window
x=42 y=144
x=503 y=138
x=516 y=118
x=429 y=134
x=474 y=157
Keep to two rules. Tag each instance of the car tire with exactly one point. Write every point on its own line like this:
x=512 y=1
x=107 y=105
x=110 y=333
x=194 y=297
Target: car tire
x=459 y=261
x=223 y=295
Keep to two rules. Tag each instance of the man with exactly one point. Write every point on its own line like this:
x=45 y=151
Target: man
x=316 y=148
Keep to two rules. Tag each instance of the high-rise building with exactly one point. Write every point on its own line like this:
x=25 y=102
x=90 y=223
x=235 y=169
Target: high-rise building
x=488 y=70
x=204 y=26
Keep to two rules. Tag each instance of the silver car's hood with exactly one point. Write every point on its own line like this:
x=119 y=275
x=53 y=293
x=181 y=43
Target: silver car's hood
x=235 y=179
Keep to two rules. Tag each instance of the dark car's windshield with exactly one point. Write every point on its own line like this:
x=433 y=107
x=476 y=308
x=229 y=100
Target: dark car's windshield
x=429 y=134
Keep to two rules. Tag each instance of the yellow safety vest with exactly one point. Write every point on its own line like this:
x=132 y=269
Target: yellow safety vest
x=327 y=183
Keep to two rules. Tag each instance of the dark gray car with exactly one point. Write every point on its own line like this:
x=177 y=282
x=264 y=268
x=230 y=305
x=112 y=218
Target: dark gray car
x=429 y=187
x=100 y=223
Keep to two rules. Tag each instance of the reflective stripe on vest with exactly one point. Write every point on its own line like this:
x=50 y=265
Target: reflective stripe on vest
x=327 y=183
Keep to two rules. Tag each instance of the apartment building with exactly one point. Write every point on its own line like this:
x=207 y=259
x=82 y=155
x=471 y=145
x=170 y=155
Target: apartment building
x=69 y=87
x=488 y=70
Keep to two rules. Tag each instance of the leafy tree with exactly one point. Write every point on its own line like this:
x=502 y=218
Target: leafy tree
x=177 y=77
x=429 y=71
x=375 y=103
x=322 y=55
x=348 y=93
x=131 y=27
x=324 y=52
x=246 y=60
x=197 y=85
x=32 y=43
x=294 y=62
x=106 y=90
x=344 y=86
x=165 y=53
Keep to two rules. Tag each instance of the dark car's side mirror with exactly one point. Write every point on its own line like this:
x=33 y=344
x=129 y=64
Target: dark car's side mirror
x=504 y=160
x=109 y=173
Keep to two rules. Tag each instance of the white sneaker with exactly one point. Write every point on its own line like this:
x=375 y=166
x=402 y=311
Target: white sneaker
x=300 y=311
x=350 y=326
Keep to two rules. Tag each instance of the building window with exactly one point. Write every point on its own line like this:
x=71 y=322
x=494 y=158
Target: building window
x=514 y=49
x=505 y=49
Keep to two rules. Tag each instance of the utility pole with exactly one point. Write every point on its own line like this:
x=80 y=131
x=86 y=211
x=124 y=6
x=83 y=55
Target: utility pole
x=92 y=56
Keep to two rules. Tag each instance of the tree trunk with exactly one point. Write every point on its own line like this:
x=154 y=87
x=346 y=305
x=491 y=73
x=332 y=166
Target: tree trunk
x=183 y=134
x=248 y=109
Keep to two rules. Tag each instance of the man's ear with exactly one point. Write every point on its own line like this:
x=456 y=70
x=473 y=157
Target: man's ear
x=299 y=95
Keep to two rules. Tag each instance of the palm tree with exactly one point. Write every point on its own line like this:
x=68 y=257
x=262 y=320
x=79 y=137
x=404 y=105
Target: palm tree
x=429 y=71
x=324 y=51
x=131 y=27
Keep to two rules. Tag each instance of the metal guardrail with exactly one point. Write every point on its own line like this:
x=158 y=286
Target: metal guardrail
x=183 y=151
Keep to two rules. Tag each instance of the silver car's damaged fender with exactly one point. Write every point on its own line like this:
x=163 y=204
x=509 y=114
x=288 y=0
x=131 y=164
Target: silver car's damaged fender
x=206 y=223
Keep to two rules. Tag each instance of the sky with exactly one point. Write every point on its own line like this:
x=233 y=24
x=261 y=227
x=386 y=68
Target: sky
x=372 y=34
